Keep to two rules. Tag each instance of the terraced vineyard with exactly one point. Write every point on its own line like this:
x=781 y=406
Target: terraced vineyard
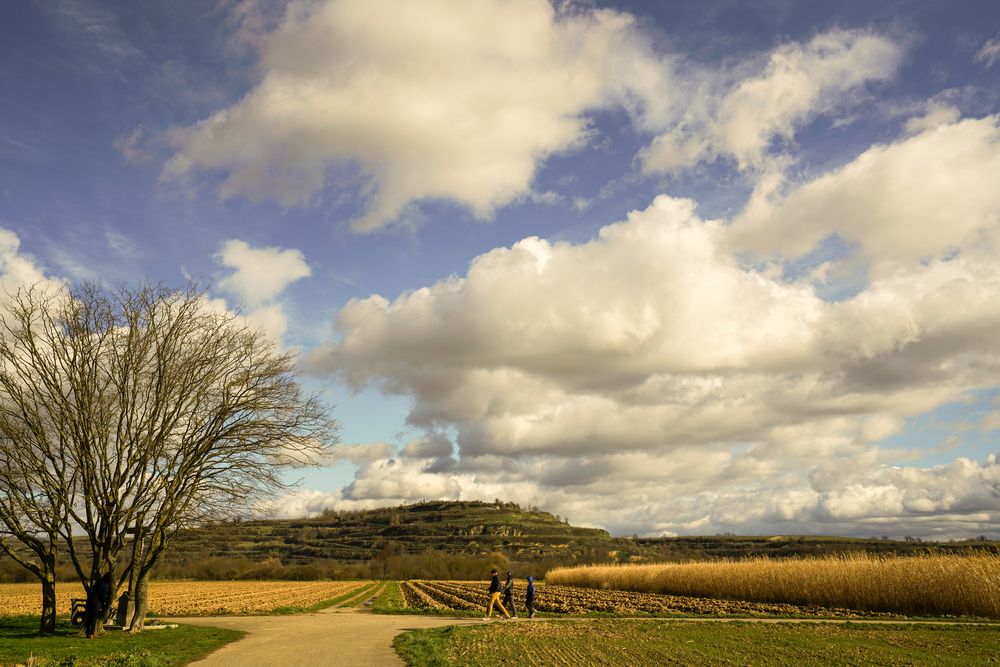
x=471 y=596
x=194 y=598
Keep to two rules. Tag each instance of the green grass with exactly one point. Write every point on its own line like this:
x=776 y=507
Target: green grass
x=170 y=647
x=391 y=600
x=641 y=642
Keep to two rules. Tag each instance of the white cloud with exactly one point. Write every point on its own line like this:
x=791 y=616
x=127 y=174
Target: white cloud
x=16 y=268
x=365 y=452
x=880 y=427
x=390 y=478
x=260 y=274
x=434 y=445
x=299 y=503
x=989 y=53
x=652 y=360
x=465 y=101
x=922 y=197
x=452 y=100
x=258 y=278
x=271 y=319
x=934 y=115
x=741 y=118
x=690 y=491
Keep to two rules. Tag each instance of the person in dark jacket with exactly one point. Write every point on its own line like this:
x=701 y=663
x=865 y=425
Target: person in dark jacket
x=508 y=595
x=97 y=602
x=529 y=597
x=495 y=597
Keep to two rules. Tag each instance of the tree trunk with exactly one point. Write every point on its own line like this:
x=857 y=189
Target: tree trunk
x=141 y=604
x=48 y=623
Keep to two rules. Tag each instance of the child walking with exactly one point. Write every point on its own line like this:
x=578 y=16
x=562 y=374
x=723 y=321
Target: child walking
x=529 y=597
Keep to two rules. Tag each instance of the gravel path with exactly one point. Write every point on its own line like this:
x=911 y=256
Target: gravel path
x=331 y=637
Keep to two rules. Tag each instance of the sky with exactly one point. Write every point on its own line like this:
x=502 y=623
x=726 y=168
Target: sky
x=662 y=268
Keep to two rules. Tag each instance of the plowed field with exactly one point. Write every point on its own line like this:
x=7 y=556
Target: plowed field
x=472 y=596
x=192 y=598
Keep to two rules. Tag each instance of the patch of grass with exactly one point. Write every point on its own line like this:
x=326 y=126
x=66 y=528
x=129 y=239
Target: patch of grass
x=427 y=648
x=169 y=647
x=350 y=595
x=642 y=642
x=391 y=600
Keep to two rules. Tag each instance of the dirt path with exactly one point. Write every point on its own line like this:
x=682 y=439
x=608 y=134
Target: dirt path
x=348 y=636
x=330 y=637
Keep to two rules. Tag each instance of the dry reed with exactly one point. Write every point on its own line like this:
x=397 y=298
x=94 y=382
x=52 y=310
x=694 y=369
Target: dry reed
x=934 y=585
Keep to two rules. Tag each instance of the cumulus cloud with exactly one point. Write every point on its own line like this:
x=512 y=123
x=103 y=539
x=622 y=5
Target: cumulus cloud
x=390 y=479
x=653 y=358
x=260 y=274
x=924 y=196
x=691 y=490
x=16 y=268
x=258 y=277
x=464 y=102
x=365 y=452
x=935 y=114
x=449 y=100
x=434 y=445
x=743 y=114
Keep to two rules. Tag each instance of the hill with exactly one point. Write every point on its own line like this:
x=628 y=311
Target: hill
x=471 y=529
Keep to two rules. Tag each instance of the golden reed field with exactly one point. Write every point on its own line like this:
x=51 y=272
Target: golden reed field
x=191 y=598
x=936 y=585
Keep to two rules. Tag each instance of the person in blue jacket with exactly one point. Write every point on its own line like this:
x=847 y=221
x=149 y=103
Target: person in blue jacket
x=529 y=597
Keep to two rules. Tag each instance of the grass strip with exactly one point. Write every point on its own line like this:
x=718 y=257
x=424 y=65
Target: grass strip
x=390 y=601
x=621 y=642
x=169 y=647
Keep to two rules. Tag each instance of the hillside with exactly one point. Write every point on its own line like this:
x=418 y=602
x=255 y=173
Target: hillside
x=448 y=527
x=473 y=528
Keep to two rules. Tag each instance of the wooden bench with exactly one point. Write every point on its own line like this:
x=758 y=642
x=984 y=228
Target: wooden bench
x=78 y=610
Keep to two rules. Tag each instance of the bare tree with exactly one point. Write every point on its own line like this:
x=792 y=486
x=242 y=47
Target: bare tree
x=170 y=411
x=36 y=476
x=32 y=509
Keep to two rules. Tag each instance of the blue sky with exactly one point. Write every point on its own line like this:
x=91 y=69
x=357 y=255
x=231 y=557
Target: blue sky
x=665 y=268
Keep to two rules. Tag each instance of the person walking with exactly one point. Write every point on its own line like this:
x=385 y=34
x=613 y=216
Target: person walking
x=508 y=595
x=529 y=597
x=495 y=597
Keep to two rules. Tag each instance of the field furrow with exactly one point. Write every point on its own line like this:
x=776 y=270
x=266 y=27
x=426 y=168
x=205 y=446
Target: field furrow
x=469 y=595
